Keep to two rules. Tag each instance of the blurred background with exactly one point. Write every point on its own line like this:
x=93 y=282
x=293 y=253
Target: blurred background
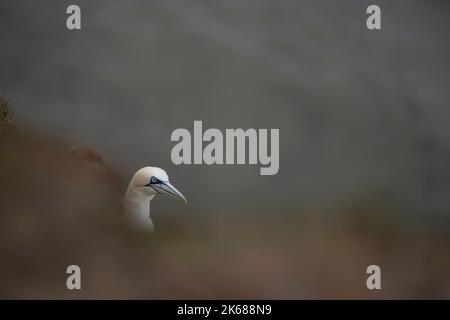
x=364 y=148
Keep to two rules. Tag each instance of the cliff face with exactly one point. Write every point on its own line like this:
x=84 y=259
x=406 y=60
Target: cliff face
x=364 y=147
x=359 y=111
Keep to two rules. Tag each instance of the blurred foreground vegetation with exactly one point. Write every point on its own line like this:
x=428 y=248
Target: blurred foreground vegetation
x=60 y=205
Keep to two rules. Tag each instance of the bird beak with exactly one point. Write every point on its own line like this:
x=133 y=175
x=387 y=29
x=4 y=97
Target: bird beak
x=167 y=188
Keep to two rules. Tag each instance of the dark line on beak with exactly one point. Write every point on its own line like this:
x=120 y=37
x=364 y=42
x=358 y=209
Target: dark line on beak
x=174 y=193
x=150 y=185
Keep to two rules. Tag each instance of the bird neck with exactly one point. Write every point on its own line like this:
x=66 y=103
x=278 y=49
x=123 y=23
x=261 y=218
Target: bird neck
x=137 y=210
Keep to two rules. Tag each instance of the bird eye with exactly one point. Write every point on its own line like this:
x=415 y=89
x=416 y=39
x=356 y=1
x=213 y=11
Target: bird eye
x=153 y=179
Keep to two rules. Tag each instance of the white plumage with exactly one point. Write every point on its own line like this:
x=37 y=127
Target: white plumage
x=145 y=184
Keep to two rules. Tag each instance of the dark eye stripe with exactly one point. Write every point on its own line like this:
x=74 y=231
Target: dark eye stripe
x=153 y=180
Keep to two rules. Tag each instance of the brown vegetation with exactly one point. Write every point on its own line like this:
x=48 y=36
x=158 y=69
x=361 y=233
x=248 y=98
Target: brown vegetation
x=61 y=206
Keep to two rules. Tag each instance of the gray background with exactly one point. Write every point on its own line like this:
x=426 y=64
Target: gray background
x=361 y=113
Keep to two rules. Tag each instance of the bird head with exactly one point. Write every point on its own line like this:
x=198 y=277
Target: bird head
x=150 y=181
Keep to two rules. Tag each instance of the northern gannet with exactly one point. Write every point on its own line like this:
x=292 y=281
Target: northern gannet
x=145 y=184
